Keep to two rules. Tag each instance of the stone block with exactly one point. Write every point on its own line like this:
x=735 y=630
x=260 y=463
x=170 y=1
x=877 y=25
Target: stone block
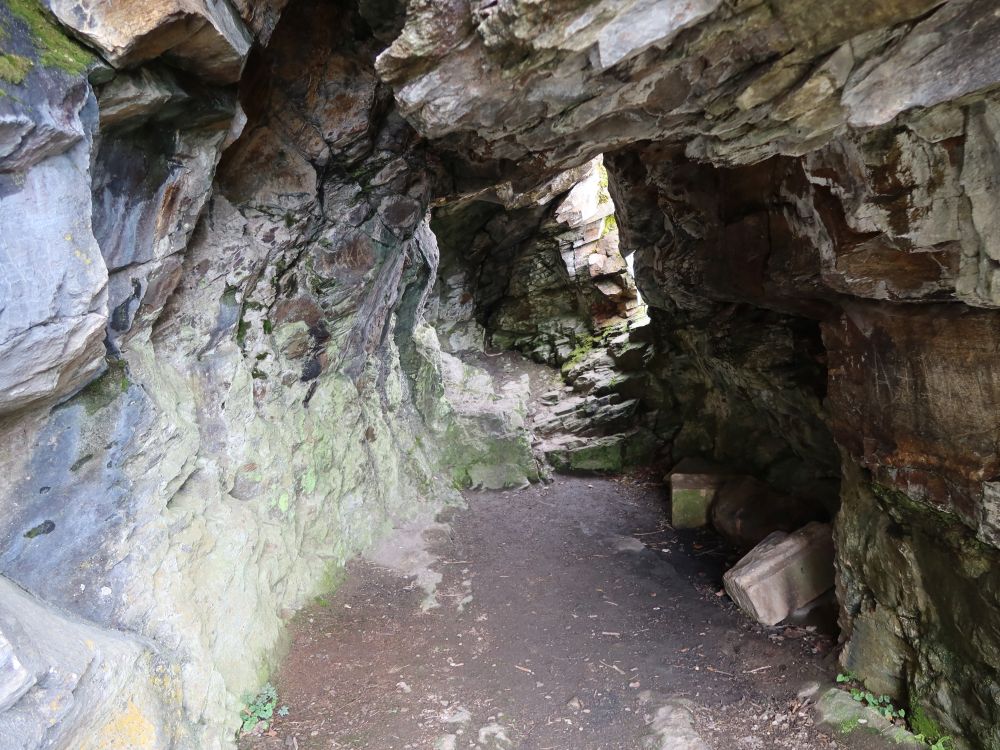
x=783 y=573
x=692 y=491
x=587 y=454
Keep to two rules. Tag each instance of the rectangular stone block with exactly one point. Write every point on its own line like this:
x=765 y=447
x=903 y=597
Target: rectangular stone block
x=782 y=573
x=692 y=491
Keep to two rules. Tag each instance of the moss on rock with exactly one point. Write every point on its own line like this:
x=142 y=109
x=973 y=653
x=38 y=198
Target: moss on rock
x=54 y=48
x=14 y=68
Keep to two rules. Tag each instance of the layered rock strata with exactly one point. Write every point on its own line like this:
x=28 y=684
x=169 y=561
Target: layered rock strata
x=808 y=191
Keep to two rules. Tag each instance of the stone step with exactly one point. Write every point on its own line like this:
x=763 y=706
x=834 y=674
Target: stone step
x=783 y=573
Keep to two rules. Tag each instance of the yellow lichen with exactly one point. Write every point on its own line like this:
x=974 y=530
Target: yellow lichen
x=129 y=730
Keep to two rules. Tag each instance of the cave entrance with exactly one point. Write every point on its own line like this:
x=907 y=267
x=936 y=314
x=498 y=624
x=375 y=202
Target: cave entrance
x=541 y=291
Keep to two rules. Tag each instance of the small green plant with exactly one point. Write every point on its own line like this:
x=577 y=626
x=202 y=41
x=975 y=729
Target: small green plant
x=942 y=743
x=881 y=703
x=261 y=710
x=884 y=706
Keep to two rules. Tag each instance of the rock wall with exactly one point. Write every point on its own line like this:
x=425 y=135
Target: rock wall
x=265 y=410
x=543 y=278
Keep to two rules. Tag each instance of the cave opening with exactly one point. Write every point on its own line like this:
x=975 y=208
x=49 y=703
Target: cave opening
x=720 y=398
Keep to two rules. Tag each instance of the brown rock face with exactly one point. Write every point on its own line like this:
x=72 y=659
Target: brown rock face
x=913 y=398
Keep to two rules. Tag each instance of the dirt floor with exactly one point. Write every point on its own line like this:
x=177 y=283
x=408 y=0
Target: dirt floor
x=567 y=617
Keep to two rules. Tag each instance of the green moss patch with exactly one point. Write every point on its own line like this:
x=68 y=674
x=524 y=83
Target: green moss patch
x=55 y=49
x=610 y=225
x=103 y=391
x=922 y=724
x=14 y=68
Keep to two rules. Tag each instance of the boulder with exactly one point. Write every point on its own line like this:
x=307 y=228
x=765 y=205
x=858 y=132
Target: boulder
x=746 y=510
x=782 y=573
x=207 y=38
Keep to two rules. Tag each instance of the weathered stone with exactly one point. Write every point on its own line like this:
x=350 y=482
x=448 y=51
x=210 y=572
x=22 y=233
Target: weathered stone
x=261 y=16
x=46 y=106
x=553 y=86
x=587 y=454
x=53 y=281
x=935 y=442
x=81 y=686
x=691 y=497
x=915 y=611
x=149 y=189
x=483 y=425
x=782 y=573
x=960 y=33
x=673 y=726
x=839 y=711
x=15 y=680
x=202 y=36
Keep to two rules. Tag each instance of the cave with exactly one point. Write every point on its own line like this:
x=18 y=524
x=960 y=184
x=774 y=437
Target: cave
x=403 y=337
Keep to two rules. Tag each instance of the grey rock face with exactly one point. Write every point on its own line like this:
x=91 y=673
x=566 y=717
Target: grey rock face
x=737 y=85
x=15 y=680
x=266 y=412
x=58 y=669
x=53 y=283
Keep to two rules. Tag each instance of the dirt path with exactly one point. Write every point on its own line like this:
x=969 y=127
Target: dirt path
x=567 y=617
